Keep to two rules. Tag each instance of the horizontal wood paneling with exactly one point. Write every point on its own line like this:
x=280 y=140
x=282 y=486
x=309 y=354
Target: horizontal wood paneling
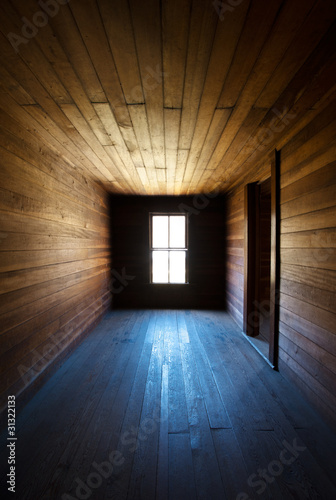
x=308 y=259
x=307 y=334
x=54 y=256
x=157 y=98
x=234 y=247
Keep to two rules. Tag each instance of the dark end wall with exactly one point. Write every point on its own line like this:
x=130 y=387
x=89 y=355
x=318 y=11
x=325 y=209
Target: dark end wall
x=130 y=283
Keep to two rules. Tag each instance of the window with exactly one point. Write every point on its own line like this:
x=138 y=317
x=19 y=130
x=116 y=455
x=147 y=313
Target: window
x=168 y=248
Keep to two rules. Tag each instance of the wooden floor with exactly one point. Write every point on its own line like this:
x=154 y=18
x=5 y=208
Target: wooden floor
x=170 y=405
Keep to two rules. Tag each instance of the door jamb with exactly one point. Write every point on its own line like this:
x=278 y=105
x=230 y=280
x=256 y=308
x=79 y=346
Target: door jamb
x=275 y=259
x=251 y=259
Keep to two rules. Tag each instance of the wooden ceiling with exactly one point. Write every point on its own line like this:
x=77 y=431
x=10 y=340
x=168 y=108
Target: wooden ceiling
x=166 y=97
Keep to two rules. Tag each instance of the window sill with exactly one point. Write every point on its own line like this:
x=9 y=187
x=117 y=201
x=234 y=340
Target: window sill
x=168 y=284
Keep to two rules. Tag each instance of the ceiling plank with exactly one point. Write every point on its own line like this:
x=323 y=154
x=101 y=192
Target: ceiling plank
x=38 y=122
x=118 y=25
x=21 y=72
x=30 y=55
x=140 y=124
x=104 y=111
x=249 y=125
x=55 y=55
x=175 y=30
x=282 y=122
x=146 y=20
x=166 y=97
x=62 y=28
x=226 y=38
x=161 y=175
x=172 y=128
x=261 y=14
x=258 y=161
x=13 y=87
x=283 y=31
x=66 y=141
x=78 y=121
x=15 y=137
x=307 y=38
x=203 y=24
x=93 y=33
x=219 y=121
x=182 y=157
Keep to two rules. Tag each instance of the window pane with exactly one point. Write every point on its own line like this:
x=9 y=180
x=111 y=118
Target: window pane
x=177 y=266
x=160 y=266
x=177 y=231
x=160 y=231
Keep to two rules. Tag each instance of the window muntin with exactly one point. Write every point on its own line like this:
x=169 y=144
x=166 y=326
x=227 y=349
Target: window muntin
x=168 y=248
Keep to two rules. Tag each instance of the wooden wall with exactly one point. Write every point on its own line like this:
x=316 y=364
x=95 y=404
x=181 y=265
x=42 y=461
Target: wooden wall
x=307 y=337
x=130 y=238
x=54 y=255
x=307 y=341
x=235 y=254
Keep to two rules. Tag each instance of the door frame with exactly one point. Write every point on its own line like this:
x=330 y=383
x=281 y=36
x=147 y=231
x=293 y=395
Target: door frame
x=275 y=258
x=252 y=258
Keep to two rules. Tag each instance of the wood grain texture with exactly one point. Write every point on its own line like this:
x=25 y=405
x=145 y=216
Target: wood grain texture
x=54 y=254
x=164 y=98
x=120 y=425
x=307 y=262
x=103 y=80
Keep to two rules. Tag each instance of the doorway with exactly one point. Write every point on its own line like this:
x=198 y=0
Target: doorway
x=261 y=261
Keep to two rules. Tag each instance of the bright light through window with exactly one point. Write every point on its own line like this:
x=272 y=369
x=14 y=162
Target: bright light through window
x=177 y=266
x=160 y=266
x=177 y=231
x=160 y=231
x=169 y=248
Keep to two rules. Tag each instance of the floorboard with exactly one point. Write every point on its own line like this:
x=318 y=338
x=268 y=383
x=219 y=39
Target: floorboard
x=170 y=405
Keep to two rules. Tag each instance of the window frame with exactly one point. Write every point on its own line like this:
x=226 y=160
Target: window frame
x=168 y=249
